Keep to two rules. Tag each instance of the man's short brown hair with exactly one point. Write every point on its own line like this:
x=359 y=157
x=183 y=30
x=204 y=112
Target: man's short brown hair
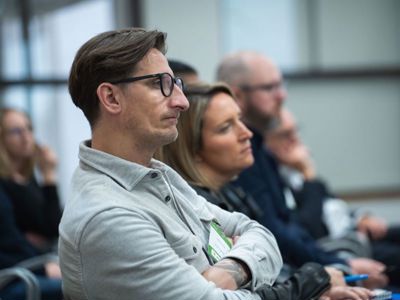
x=107 y=57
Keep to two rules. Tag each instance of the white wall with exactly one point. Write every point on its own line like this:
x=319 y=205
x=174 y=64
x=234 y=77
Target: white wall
x=352 y=128
x=359 y=32
x=193 y=30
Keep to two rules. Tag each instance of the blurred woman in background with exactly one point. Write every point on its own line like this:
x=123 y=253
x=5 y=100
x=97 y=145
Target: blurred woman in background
x=36 y=206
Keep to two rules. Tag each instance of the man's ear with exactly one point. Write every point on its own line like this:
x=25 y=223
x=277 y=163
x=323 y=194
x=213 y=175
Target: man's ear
x=109 y=96
x=240 y=97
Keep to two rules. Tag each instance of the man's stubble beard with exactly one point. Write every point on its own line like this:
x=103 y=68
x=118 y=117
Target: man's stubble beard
x=260 y=121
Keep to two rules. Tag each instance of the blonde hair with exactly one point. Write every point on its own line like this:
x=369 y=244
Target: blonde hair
x=181 y=155
x=5 y=160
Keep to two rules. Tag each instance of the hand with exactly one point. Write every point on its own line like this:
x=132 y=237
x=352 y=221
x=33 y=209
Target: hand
x=52 y=270
x=47 y=163
x=346 y=292
x=337 y=278
x=300 y=159
x=372 y=226
x=374 y=269
x=296 y=156
x=228 y=274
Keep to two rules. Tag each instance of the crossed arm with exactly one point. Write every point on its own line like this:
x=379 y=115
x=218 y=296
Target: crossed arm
x=229 y=274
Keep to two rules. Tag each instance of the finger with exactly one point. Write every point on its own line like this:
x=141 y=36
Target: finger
x=351 y=294
x=363 y=293
x=384 y=279
x=377 y=267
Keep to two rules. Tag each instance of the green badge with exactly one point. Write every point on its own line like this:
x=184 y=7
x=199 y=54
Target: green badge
x=218 y=244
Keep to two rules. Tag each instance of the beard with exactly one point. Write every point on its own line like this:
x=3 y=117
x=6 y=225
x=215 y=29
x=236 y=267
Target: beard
x=168 y=138
x=260 y=119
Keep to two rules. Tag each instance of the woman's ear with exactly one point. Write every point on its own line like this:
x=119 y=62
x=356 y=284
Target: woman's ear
x=109 y=96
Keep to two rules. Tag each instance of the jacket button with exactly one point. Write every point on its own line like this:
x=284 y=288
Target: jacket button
x=153 y=175
x=194 y=249
x=167 y=198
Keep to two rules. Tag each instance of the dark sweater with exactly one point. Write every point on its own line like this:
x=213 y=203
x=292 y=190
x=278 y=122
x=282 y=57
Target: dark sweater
x=14 y=248
x=36 y=209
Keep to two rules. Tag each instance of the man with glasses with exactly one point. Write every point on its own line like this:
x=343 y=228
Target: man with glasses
x=133 y=228
x=258 y=85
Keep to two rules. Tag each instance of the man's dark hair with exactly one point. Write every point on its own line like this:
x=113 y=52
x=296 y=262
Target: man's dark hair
x=179 y=68
x=107 y=57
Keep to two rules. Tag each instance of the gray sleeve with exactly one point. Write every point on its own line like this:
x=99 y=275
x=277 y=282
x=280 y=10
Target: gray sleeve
x=257 y=246
x=124 y=254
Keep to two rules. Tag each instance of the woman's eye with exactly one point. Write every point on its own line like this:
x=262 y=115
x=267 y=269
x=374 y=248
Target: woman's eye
x=224 y=128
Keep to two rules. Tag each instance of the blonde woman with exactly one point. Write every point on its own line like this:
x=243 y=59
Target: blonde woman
x=36 y=206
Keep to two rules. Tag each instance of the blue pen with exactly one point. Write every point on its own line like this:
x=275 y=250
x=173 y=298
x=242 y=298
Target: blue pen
x=353 y=278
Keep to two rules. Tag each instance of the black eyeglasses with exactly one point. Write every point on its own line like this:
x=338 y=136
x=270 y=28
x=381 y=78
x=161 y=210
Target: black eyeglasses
x=268 y=87
x=167 y=82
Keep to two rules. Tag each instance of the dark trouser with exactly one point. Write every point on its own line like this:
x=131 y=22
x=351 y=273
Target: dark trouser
x=50 y=290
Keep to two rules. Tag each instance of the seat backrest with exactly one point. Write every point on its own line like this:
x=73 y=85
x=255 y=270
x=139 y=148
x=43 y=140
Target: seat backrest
x=30 y=280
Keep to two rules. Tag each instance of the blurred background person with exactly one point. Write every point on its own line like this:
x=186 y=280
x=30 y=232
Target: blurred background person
x=185 y=71
x=326 y=217
x=36 y=205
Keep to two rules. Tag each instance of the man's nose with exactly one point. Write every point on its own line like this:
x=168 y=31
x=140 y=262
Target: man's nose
x=281 y=94
x=179 y=99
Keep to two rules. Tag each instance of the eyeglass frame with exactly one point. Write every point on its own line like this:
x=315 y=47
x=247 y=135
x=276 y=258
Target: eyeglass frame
x=284 y=134
x=268 y=87
x=174 y=81
x=18 y=131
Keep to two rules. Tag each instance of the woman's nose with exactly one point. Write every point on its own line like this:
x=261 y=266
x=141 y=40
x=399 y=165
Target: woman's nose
x=245 y=133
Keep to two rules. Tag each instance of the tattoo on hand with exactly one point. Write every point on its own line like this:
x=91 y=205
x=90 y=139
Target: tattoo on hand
x=235 y=269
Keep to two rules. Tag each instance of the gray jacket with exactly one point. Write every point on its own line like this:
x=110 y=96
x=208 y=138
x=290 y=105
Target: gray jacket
x=132 y=232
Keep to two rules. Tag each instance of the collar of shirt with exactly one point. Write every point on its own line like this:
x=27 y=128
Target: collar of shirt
x=125 y=173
